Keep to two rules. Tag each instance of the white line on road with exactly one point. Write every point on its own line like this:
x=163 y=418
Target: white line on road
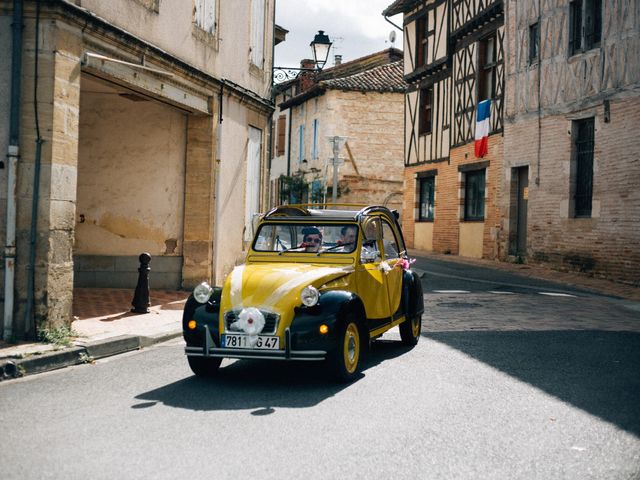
x=501 y=292
x=451 y=291
x=554 y=294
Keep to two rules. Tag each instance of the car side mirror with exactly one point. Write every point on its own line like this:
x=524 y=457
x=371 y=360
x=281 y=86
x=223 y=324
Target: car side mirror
x=368 y=256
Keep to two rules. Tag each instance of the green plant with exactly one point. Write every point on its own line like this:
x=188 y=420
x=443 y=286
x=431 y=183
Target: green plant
x=60 y=336
x=519 y=260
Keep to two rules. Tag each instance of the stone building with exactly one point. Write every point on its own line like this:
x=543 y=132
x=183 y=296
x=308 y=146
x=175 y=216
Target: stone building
x=136 y=125
x=572 y=172
x=453 y=60
x=361 y=100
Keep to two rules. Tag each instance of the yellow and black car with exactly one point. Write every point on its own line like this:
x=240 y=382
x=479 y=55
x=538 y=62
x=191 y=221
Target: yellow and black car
x=317 y=285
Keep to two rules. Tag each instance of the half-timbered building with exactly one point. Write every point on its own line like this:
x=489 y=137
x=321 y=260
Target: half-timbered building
x=572 y=196
x=453 y=61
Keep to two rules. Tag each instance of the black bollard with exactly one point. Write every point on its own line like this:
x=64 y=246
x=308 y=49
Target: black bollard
x=140 y=300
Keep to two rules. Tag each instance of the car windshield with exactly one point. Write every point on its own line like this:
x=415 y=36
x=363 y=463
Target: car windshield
x=306 y=238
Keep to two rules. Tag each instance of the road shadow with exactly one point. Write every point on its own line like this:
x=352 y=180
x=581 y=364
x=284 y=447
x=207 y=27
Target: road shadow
x=596 y=371
x=262 y=386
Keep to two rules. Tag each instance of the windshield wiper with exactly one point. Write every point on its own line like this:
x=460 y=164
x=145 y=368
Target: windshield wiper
x=291 y=249
x=334 y=247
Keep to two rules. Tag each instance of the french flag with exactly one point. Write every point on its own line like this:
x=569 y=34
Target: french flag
x=482 y=128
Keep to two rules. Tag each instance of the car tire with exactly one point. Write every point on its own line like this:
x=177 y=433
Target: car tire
x=345 y=360
x=204 y=367
x=410 y=330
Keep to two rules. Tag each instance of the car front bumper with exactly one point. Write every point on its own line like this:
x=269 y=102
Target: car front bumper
x=210 y=349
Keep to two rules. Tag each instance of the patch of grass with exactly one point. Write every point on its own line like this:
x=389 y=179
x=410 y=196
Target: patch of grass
x=59 y=336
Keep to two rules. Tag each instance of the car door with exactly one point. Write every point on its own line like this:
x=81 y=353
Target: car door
x=391 y=251
x=370 y=277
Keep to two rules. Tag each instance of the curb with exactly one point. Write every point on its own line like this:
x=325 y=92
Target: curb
x=81 y=353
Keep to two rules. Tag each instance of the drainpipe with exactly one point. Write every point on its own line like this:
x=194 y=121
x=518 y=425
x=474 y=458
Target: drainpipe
x=12 y=165
x=29 y=317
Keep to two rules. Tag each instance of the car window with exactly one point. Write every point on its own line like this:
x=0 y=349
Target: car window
x=389 y=242
x=306 y=237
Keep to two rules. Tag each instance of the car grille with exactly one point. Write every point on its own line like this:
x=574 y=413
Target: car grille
x=270 y=321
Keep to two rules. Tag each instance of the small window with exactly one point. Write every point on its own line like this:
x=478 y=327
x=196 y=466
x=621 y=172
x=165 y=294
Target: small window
x=474 y=184
x=426 y=110
x=534 y=43
x=487 y=68
x=584 y=144
x=422 y=32
x=426 y=206
x=585 y=25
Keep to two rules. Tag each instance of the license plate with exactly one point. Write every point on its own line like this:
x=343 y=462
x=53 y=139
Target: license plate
x=265 y=342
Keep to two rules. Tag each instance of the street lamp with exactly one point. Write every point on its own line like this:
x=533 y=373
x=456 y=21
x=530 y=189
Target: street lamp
x=320 y=47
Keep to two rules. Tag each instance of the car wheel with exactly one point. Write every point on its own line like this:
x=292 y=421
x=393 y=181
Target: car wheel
x=345 y=360
x=410 y=330
x=204 y=367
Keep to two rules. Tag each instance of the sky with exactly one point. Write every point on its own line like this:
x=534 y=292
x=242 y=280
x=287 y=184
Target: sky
x=356 y=28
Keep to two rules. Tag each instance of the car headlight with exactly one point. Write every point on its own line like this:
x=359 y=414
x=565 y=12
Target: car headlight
x=202 y=293
x=310 y=296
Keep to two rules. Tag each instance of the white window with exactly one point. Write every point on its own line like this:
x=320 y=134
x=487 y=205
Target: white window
x=252 y=200
x=257 y=33
x=205 y=14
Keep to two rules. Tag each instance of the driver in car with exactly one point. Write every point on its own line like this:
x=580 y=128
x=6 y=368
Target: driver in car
x=312 y=239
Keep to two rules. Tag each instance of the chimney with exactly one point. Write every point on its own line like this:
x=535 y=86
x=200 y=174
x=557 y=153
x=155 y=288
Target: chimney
x=306 y=79
x=307 y=63
x=337 y=60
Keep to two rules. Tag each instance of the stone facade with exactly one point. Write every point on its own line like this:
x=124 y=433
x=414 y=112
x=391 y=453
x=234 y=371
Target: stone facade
x=371 y=120
x=139 y=138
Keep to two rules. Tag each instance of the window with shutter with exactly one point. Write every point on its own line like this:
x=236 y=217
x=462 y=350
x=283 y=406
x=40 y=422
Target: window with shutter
x=257 y=33
x=282 y=124
x=205 y=15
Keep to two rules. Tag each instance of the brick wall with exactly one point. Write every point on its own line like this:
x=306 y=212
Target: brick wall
x=449 y=199
x=606 y=243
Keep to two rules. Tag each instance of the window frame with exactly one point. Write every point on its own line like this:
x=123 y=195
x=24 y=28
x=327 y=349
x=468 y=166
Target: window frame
x=583 y=157
x=534 y=43
x=474 y=205
x=430 y=201
x=422 y=40
x=487 y=69
x=425 y=121
x=585 y=26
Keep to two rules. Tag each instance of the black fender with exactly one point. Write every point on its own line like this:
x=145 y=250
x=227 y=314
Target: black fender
x=204 y=314
x=333 y=309
x=412 y=303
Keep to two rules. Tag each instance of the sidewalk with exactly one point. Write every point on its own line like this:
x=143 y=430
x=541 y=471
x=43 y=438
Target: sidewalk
x=583 y=281
x=104 y=325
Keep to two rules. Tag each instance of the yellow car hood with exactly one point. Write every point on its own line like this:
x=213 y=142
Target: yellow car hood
x=274 y=286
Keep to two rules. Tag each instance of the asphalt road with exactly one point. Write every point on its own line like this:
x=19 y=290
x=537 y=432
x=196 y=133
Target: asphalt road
x=503 y=384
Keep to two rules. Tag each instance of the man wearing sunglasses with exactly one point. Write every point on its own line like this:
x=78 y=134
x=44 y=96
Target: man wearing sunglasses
x=312 y=239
